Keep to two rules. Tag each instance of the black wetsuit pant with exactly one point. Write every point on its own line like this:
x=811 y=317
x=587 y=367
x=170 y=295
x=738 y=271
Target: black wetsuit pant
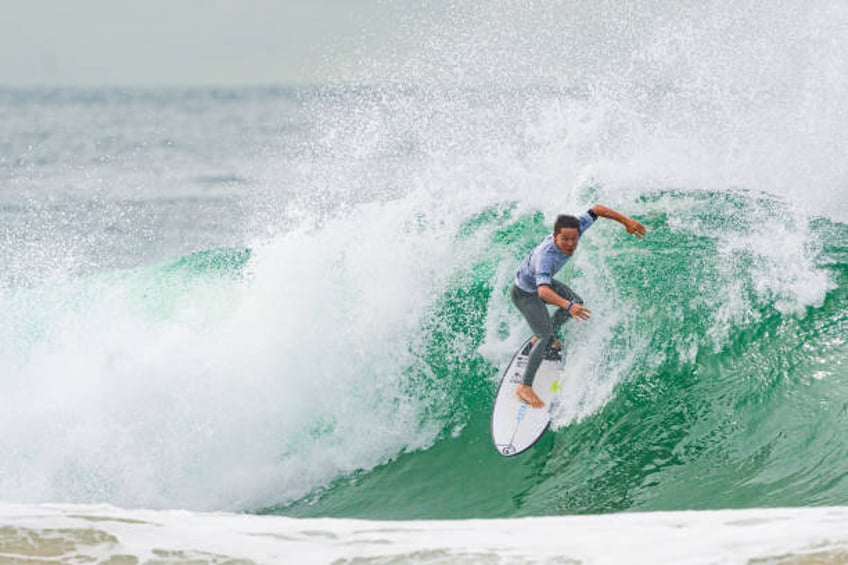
x=544 y=325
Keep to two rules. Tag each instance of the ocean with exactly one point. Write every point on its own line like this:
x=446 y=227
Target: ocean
x=266 y=324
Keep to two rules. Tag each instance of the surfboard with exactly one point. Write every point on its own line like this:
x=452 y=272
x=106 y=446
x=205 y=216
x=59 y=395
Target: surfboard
x=515 y=425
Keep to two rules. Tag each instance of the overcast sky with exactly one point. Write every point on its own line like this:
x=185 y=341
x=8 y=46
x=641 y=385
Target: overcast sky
x=190 y=42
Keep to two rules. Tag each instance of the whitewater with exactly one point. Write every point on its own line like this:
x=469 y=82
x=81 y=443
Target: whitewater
x=265 y=324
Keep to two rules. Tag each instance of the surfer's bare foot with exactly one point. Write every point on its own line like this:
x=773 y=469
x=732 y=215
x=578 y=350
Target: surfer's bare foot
x=528 y=395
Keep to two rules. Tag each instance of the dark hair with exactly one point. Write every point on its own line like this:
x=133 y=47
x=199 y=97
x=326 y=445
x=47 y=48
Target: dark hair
x=566 y=221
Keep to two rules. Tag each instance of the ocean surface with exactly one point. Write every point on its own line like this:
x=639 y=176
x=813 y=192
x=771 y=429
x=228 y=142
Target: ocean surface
x=228 y=312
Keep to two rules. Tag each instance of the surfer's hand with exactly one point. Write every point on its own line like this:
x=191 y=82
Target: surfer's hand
x=580 y=312
x=634 y=228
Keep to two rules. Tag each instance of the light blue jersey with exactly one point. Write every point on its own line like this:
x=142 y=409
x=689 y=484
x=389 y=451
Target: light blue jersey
x=546 y=260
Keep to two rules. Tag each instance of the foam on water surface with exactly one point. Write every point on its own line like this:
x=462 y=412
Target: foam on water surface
x=105 y=534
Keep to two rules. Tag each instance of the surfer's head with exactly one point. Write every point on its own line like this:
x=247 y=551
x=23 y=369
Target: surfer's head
x=566 y=233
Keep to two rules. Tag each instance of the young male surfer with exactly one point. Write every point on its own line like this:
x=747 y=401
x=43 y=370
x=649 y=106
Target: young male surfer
x=535 y=287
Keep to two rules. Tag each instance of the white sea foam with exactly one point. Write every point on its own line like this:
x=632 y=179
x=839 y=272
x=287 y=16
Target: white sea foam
x=65 y=533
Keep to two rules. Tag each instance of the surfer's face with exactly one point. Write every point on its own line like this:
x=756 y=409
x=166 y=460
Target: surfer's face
x=566 y=240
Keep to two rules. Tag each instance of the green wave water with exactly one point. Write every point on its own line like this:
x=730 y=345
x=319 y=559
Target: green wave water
x=712 y=375
x=734 y=391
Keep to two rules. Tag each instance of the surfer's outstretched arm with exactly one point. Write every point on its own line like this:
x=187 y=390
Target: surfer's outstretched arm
x=632 y=226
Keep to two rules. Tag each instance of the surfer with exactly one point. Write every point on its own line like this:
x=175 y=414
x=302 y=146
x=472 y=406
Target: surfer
x=535 y=287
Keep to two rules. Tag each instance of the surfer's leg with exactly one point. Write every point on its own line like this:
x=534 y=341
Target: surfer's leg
x=537 y=355
x=562 y=315
x=536 y=314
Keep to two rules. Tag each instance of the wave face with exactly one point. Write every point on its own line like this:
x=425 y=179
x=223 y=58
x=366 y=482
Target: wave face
x=711 y=376
x=312 y=321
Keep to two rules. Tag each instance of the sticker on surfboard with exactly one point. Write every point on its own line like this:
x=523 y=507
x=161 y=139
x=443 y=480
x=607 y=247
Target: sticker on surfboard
x=515 y=425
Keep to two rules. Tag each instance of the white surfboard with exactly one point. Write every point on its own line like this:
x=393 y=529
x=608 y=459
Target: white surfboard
x=515 y=425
